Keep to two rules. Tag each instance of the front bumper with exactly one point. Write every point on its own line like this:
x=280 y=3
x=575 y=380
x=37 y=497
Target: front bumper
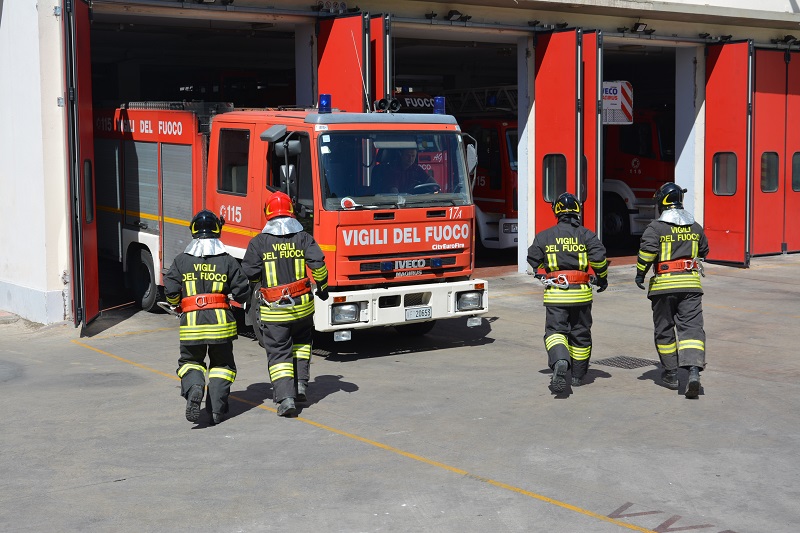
x=390 y=306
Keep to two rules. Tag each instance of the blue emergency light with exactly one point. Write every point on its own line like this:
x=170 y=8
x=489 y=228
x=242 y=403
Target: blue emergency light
x=324 y=103
x=387 y=266
x=436 y=262
x=438 y=105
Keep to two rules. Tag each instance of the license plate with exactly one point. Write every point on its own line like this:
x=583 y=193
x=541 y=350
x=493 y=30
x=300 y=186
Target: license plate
x=418 y=313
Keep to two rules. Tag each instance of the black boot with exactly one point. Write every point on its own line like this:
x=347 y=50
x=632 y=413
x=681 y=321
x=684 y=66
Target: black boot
x=216 y=418
x=693 y=387
x=193 y=399
x=302 y=385
x=559 y=380
x=670 y=379
x=287 y=407
x=576 y=382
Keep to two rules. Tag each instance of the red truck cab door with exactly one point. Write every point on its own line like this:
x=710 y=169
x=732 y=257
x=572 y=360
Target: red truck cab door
x=727 y=184
x=232 y=187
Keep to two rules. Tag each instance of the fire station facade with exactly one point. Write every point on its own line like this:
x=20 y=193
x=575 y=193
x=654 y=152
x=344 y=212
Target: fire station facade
x=731 y=78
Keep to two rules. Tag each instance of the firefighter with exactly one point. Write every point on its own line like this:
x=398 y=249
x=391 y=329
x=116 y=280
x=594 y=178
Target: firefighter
x=402 y=174
x=674 y=244
x=276 y=259
x=565 y=252
x=198 y=286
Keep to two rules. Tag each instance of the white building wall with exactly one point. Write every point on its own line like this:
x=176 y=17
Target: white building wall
x=34 y=240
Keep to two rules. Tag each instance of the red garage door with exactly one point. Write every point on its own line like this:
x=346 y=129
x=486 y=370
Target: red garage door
x=557 y=95
x=776 y=148
x=591 y=119
x=728 y=151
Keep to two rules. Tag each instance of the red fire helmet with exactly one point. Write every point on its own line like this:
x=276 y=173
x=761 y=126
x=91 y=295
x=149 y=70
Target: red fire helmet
x=279 y=205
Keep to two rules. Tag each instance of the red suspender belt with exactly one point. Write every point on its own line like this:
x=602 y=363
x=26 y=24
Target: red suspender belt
x=573 y=277
x=678 y=265
x=205 y=301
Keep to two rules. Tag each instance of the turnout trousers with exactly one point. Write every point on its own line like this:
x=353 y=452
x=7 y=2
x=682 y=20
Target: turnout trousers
x=221 y=372
x=678 y=330
x=568 y=336
x=288 y=346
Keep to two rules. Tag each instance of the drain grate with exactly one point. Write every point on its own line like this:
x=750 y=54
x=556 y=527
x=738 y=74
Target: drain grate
x=622 y=361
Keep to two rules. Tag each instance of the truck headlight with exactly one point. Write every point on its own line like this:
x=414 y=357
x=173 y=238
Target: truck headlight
x=344 y=313
x=469 y=300
x=510 y=228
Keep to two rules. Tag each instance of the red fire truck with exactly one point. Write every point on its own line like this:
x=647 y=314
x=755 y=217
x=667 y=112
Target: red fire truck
x=402 y=259
x=638 y=157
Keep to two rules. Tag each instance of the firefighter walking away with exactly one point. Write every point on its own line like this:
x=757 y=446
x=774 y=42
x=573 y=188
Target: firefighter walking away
x=674 y=244
x=276 y=261
x=197 y=287
x=565 y=252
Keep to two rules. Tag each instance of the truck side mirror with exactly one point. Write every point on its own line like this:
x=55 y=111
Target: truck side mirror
x=288 y=174
x=271 y=135
x=287 y=148
x=472 y=158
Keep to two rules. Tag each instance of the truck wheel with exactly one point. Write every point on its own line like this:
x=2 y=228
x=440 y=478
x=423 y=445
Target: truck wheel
x=253 y=310
x=616 y=222
x=143 y=280
x=415 y=330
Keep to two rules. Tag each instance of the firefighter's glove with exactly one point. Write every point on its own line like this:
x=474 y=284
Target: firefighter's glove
x=640 y=281
x=602 y=284
x=322 y=294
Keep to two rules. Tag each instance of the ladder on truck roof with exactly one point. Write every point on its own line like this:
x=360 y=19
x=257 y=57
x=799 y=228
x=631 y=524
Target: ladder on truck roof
x=482 y=100
x=203 y=110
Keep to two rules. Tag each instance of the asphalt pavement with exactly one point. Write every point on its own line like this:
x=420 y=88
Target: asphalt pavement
x=455 y=431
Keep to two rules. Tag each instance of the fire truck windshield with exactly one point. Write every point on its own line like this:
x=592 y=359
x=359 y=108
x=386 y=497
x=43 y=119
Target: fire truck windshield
x=392 y=170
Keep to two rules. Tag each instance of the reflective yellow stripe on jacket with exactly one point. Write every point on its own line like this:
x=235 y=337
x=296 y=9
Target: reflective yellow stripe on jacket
x=557 y=296
x=675 y=280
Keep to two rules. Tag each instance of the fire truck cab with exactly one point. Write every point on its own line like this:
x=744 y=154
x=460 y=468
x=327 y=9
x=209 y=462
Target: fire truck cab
x=398 y=256
x=638 y=158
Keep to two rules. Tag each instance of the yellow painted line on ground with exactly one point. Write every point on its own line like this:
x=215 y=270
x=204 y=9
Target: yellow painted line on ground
x=398 y=451
x=128 y=361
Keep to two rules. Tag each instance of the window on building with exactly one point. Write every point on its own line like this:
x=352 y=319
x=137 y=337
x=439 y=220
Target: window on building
x=724 y=174
x=796 y=172
x=234 y=151
x=769 y=172
x=554 y=176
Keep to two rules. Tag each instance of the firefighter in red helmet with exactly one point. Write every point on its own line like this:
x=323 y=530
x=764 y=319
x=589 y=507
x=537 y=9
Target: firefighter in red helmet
x=565 y=252
x=674 y=244
x=277 y=259
x=197 y=286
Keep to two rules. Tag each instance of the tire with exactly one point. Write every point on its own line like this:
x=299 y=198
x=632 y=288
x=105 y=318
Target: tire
x=415 y=330
x=616 y=221
x=143 y=280
x=253 y=315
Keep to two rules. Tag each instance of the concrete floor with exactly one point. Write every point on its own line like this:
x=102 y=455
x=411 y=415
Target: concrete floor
x=456 y=431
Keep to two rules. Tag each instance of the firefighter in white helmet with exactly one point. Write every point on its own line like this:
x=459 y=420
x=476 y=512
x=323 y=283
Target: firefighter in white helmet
x=674 y=244
x=276 y=259
x=197 y=286
x=565 y=252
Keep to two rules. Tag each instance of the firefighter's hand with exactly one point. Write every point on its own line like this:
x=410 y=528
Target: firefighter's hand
x=322 y=294
x=640 y=282
x=602 y=284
